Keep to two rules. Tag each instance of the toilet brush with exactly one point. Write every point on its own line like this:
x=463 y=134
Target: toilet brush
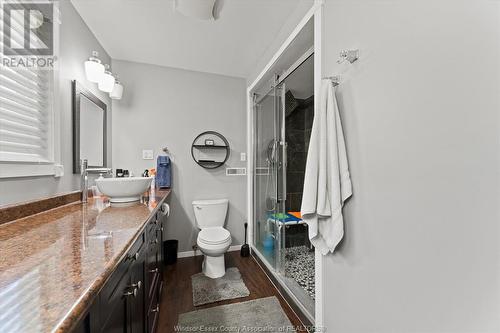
x=245 y=249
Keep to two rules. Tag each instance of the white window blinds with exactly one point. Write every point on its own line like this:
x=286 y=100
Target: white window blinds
x=25 y=115
x=26 y=106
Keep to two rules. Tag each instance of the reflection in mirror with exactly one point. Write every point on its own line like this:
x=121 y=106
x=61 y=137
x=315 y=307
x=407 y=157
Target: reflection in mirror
x=89 y=128
x=91 y=132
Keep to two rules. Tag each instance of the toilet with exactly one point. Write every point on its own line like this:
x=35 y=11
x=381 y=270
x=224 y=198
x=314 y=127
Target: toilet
x=213 y=240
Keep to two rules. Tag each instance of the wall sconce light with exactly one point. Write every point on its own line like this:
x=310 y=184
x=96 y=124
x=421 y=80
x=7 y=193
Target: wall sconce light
x=117 y=90
x=107 y=81
x=101 y=74
x=94 y=69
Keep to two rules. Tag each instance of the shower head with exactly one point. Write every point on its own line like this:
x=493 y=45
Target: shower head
x=291 y=103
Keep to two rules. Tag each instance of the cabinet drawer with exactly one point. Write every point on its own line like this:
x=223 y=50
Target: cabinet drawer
x=153 y=261
x=136 y=247
x=119 y=280
x=152 y=320
x=112 y=302
x=153 y=224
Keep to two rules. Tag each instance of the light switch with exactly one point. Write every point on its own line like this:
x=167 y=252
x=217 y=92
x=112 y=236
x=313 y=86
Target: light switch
x=147 y=155
x=243 y=157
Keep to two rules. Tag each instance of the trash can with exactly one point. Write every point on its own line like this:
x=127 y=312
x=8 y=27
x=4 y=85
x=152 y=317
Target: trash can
x=170 y=247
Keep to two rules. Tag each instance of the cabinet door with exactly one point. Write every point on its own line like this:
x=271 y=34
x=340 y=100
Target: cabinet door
x=152 y=317
x=154 y=309
x=161 y=237
x=123 y=294
x=152 y=263
x=137 y=302
x=115 y=318
x=154 y=276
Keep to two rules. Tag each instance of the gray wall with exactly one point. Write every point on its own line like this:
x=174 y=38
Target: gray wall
x=170 y=107
x=76 y=44
x=421 y=118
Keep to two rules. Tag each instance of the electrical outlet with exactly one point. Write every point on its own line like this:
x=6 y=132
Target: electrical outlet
x=147 y=154
x=243 y=157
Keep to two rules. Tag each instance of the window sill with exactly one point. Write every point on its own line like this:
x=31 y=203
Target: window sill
x=18 y=170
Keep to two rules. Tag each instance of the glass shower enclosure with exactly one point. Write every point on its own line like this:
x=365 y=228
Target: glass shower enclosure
x=269 y=169
x=270 y=189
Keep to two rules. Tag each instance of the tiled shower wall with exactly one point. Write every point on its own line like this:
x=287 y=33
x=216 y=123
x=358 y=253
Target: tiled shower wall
x=298 y=127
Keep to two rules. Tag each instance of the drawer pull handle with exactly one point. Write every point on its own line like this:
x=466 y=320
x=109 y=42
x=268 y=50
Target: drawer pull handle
x=133 y=256
x=132 y=292
x=153 y=270
x=156 y=309
x=137 y=285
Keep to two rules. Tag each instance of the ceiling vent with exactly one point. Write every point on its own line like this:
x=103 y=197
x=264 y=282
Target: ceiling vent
x=199 y=9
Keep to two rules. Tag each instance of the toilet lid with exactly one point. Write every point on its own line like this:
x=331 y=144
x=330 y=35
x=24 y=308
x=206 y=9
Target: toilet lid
x=214 y=235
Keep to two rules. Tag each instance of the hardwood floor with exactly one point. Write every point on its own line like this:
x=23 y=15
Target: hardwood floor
x=177 y=295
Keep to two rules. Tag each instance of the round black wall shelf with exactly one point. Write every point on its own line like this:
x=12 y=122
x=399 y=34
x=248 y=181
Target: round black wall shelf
x=210 y=142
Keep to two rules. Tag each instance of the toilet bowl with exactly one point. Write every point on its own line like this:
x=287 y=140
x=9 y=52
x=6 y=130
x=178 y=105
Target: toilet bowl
x=213 y=240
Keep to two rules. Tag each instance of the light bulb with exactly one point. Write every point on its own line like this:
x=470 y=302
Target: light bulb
x=117 y=90
x=94 y=69
x=107 y=82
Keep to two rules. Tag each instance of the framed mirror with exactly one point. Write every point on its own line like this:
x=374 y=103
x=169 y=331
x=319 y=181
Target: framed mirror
x=89 y=128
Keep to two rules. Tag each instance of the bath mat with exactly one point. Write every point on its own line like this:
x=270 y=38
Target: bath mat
x=259 y=315
x=207 y=290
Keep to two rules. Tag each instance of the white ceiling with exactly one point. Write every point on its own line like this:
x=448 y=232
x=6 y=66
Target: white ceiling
x=149 y=31
x=298 y=48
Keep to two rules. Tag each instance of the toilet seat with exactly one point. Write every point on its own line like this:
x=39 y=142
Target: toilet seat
x=214 y=236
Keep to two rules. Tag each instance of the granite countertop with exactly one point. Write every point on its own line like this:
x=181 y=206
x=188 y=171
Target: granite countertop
x=53 y=264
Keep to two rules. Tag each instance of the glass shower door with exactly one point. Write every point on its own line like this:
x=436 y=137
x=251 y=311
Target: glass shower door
x=269 y=197
x=280 y=236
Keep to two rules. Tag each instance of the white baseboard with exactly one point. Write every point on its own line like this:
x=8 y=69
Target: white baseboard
x=186 y=254
x=234 y=248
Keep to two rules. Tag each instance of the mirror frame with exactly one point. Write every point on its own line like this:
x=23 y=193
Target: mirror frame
x=77 y=91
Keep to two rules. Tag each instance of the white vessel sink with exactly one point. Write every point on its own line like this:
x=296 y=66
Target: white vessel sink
x=125 y=189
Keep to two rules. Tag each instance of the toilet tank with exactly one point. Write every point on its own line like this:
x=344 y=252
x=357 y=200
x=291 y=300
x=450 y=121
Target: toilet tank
x=210 y=213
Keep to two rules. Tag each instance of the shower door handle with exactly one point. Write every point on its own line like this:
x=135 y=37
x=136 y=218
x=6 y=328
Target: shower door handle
x=284 y=164
x=284 y=146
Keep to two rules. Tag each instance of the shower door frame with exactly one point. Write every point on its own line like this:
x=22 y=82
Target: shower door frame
x=273 y=260
x=315 y=12
x=276 y=167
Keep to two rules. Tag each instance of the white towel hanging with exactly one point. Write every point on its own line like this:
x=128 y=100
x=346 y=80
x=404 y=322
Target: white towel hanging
x=327 y=183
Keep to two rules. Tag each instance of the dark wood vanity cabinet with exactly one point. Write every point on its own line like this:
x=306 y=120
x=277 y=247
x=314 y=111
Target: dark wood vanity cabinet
x=154 y=273
x=130 y=299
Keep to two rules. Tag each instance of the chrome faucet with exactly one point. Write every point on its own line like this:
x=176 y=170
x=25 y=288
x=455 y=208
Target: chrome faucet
x=84 y=172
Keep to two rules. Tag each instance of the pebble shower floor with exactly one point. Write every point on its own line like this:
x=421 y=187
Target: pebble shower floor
x=299 y=265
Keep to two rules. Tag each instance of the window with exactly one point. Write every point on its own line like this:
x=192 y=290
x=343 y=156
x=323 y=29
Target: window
x=26 y=115
x=28 y=124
